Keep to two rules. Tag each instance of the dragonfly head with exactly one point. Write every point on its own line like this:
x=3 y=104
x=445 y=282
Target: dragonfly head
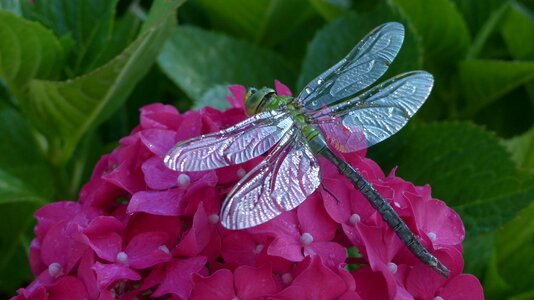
x=257 y=98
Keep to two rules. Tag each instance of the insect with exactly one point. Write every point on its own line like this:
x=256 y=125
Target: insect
x=298 y=129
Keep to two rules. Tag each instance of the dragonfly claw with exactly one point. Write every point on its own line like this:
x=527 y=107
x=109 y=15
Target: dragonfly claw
x=440 y=268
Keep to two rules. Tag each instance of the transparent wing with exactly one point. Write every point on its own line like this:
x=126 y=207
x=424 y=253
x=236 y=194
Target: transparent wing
x=280 y=183
x=376 y=114
x=367 y=62
x=234 y=145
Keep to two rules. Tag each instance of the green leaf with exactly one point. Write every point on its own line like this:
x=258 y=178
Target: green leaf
x=483 y=81
x=214 y=97
x=28 y=50
x=331 y=9
x=265 y=22
x=445 y=36
x=468 y=168
x=89 y=22
x=196 y=60
x=478 y=13
x=483 y=19
x=64 y=111
x=514 y=251
x=12 y=6
x=518 y=27
x=26 y=182
x=125 y=31
x=522 y=149
x=336 y=39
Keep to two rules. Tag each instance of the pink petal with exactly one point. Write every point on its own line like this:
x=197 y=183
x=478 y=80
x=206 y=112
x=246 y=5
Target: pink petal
x=434 y=217
x=141 y=222
x=220 y=285
x=319 y=282
x=53 y=213
x=372 y=285
x=158 y=141
x=332 y=254
x=380 y=244
x=237 y=99
x=286 y=248
x=99 y=193
x=67 y=288
x=251 y=282
x=282 y=89
x=190 y=127
x=157 y=175
x=241 y=248
x=101 y=235
x=163 y=203
x=155 y=277
x=350 y=295
x=314 y=219
x=58 y=246
x=178 y=277
x=159 y=115
x=464 y=286
x=36 y=262
x=107 y=274
x=144 y=250
x=87 y=275
x=124 y=177
x=422 y=281
x=290 y=293
x=198 y=236
x=103 y=224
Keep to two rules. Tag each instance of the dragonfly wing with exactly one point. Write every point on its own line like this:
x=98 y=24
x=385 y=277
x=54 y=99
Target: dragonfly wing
x=239 y=143
x=280 y=183
x=367 y=62
x=376 y=114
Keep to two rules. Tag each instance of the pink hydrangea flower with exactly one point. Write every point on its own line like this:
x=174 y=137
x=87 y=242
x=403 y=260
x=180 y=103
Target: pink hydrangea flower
x=140 y=230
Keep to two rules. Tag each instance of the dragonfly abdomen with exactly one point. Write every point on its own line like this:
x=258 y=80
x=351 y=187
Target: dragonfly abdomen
x=389 y=215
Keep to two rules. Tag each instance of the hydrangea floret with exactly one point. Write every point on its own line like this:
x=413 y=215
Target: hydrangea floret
x=142 y=231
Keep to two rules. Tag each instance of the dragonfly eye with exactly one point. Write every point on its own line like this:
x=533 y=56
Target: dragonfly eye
x=254 y=99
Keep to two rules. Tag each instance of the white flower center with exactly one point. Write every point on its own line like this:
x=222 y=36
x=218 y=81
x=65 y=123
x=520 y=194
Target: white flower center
x=183 y=180
x=355 y=218
x=55 y=269
x=164 y=249
x=432 y=236
x=306 y=239
x=122 y=258
x=392 y=267
x=438 y=298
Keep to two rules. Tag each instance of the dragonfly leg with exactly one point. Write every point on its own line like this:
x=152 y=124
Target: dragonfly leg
x=330 y=193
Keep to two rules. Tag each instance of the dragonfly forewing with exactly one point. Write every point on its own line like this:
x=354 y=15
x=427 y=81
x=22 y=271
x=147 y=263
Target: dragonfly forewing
x=234 y=145
x=367 y=62
x=280 y=183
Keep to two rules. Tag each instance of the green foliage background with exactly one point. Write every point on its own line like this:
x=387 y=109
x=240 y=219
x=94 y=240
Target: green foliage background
x=73 y=75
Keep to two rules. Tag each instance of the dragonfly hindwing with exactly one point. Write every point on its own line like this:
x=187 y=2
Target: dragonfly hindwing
x=378 y=113
x=239 y=143
x=280 y=183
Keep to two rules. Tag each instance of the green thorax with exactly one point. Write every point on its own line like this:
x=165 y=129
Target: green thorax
x=265 y=99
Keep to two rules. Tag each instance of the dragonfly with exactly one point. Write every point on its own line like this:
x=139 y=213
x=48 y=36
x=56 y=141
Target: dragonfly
x=292 y=132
